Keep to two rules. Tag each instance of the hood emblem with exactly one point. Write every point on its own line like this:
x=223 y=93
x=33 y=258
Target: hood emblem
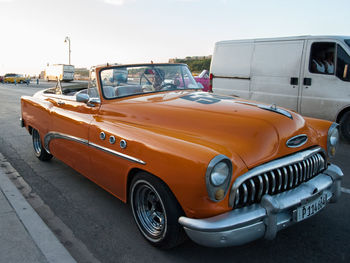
x=297 y=141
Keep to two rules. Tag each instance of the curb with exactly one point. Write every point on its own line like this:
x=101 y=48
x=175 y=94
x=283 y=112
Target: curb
x=42 y=236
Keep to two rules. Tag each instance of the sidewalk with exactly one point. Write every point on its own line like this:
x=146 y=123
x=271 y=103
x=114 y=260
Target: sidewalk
x=24 y=237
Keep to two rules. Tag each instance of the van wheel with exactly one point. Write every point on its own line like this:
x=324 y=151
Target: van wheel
x=156 y=211
x=345 y=126
x=39 y=150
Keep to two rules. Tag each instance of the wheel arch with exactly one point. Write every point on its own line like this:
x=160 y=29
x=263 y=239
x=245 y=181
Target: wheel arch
x=342 y=112
x=30 y=130
x=133 y=172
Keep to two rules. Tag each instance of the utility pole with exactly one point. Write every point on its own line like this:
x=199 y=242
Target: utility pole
x=67 y=39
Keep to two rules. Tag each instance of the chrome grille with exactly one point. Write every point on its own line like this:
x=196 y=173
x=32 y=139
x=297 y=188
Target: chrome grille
x=277 y=179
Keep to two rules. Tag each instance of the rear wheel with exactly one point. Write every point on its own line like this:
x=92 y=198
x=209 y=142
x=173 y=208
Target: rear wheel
x=156 y=211
x=39 y=150
x=345 y=126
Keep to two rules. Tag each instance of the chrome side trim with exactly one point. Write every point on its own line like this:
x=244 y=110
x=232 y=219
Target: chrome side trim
x=264 y=168
x=56 y=135
x=119 y=154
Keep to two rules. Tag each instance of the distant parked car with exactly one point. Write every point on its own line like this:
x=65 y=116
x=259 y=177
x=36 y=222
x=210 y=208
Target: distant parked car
x=18 y=78
x=1 y=79
x=203 y=79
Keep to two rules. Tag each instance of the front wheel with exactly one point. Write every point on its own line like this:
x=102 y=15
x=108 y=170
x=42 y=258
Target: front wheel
x=156 y=211
x=39 y=150
x=345 y=126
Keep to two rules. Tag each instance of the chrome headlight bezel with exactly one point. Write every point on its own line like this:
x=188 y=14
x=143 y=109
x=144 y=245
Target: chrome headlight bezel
x=213 y=188
x=332 y=140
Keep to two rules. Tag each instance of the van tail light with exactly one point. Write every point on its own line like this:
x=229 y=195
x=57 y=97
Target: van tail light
x=211 y=76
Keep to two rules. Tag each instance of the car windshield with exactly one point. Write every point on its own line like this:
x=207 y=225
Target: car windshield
x=347 y=41
x=131 y=80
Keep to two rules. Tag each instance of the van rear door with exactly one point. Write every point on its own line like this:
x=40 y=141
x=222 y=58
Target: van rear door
x=275 y=72
x=230 y=68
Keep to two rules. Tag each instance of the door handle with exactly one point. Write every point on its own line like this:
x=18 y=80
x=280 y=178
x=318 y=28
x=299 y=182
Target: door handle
x=307 y=81
x=60 y=102
x=294 y=81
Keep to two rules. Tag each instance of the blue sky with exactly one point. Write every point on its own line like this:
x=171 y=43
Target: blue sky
x=136 y=31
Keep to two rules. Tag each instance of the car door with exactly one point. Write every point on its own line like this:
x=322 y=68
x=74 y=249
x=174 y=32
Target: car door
x=114 y=151
x=69 y=135
x=324 y=94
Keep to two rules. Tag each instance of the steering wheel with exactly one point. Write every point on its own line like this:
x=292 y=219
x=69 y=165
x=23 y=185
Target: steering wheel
x=168 y=86
x=144 y=76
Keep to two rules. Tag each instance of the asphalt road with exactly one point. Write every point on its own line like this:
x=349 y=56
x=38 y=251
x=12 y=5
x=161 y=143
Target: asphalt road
x=106 y=227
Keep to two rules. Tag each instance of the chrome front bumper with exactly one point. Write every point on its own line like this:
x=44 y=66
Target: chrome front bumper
x=265 y=219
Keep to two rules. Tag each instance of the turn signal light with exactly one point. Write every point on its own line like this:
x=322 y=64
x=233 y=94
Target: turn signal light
x=219 y=194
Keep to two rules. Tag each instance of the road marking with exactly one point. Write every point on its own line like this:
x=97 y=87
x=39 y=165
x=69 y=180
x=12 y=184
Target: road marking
x=344 y=190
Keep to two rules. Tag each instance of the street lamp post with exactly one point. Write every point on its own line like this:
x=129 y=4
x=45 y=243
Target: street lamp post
x=67 y=39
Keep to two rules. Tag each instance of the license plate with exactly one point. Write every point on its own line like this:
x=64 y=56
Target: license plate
x=311 y=208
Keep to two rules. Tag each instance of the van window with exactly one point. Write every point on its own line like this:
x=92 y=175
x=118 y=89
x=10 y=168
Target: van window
x=343 y=62
x=347 y=41
x=322 y=58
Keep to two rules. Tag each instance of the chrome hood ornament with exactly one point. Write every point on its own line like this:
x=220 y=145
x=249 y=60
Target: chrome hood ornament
x=297 y=141
x=272 y=107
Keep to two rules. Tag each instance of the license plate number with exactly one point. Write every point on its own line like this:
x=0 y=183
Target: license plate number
x=311 y=208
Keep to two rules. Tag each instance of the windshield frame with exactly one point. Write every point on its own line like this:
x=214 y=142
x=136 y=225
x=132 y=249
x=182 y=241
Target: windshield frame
x=126 y=66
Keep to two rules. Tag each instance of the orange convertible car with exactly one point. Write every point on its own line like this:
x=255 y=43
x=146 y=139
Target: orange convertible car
x=223 y=170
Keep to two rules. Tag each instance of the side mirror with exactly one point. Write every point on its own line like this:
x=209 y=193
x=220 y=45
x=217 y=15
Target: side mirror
x=82 y=97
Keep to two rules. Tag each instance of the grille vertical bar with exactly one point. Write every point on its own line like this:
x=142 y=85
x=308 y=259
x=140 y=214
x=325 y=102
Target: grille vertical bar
x=273 y=182
x=300 y=172
x=279 y=179
x=285 y=173
x=245 y=193
x=296 y=174
x=305 y=171
x=253 y=190
x=266 y=184
x=261 y=187
x=291 y=176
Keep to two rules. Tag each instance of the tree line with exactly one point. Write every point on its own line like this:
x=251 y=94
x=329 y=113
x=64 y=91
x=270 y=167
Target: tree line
x=195 y=64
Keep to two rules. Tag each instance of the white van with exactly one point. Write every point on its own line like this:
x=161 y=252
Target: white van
x=308 y=74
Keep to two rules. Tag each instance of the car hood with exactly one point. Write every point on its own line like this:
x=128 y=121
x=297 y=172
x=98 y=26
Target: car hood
x=229 y=125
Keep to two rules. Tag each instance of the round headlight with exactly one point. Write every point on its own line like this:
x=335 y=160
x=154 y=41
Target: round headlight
x=219 y=173
x=333 y=139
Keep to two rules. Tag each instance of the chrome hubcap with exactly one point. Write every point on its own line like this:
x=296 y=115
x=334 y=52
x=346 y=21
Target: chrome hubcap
x=149 y=210
x=36 y=142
